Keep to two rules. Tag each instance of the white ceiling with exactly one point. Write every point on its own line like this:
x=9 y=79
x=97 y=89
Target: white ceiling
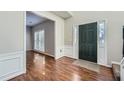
x=63 y=14
x=32 y=19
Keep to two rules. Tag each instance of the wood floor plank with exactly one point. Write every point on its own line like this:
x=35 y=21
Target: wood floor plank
x=45 y=68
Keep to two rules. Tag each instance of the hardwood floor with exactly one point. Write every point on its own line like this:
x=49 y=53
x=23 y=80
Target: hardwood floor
x=45 y=68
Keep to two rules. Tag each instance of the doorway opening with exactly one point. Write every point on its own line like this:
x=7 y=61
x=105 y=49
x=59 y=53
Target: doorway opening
x=40 y=34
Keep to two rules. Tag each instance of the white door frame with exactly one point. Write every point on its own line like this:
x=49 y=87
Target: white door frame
x=76 y=43
x=24 y=40
x=39 y=14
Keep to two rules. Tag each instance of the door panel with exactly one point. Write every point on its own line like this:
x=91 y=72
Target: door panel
x=88 y=42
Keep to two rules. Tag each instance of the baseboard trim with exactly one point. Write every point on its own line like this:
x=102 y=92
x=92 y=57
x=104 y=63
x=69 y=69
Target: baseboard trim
x=114 y=62
x=44 y=53
x=105 y=65
x=12 y=75
x=70 y=57
x=29 y=50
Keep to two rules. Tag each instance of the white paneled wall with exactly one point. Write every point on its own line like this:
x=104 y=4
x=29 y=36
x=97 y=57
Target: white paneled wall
x=11 y=65
x=12 y=55
x=68 y=51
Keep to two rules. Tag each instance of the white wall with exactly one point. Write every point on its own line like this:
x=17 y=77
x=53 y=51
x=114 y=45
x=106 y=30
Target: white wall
x=48 y=26
x=59 y=32
x=29 y=38
x=11 y=31
x=12 y=58
x=115 y=21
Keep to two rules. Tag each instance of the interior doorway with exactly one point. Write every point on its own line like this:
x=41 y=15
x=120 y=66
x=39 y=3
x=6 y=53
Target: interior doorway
x=40 y=34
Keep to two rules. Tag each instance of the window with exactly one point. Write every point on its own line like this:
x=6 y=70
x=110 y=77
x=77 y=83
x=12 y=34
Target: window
x=101 y=33
x=39 y=41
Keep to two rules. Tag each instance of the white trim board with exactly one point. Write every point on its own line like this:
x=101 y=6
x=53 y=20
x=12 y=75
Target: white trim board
x=24 y=40
x=114 y=62
x=104 y=65
x=11 y=65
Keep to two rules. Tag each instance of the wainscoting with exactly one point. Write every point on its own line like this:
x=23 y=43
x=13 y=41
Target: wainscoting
x=12 y=64
x=68 y=51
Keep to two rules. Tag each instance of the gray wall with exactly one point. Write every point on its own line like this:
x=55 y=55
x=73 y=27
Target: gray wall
x=48 y=27
x=29 y=39
x=11 y=32
x=115 y=21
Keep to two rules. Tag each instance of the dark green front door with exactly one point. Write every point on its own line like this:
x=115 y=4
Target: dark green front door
x=88 y=42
